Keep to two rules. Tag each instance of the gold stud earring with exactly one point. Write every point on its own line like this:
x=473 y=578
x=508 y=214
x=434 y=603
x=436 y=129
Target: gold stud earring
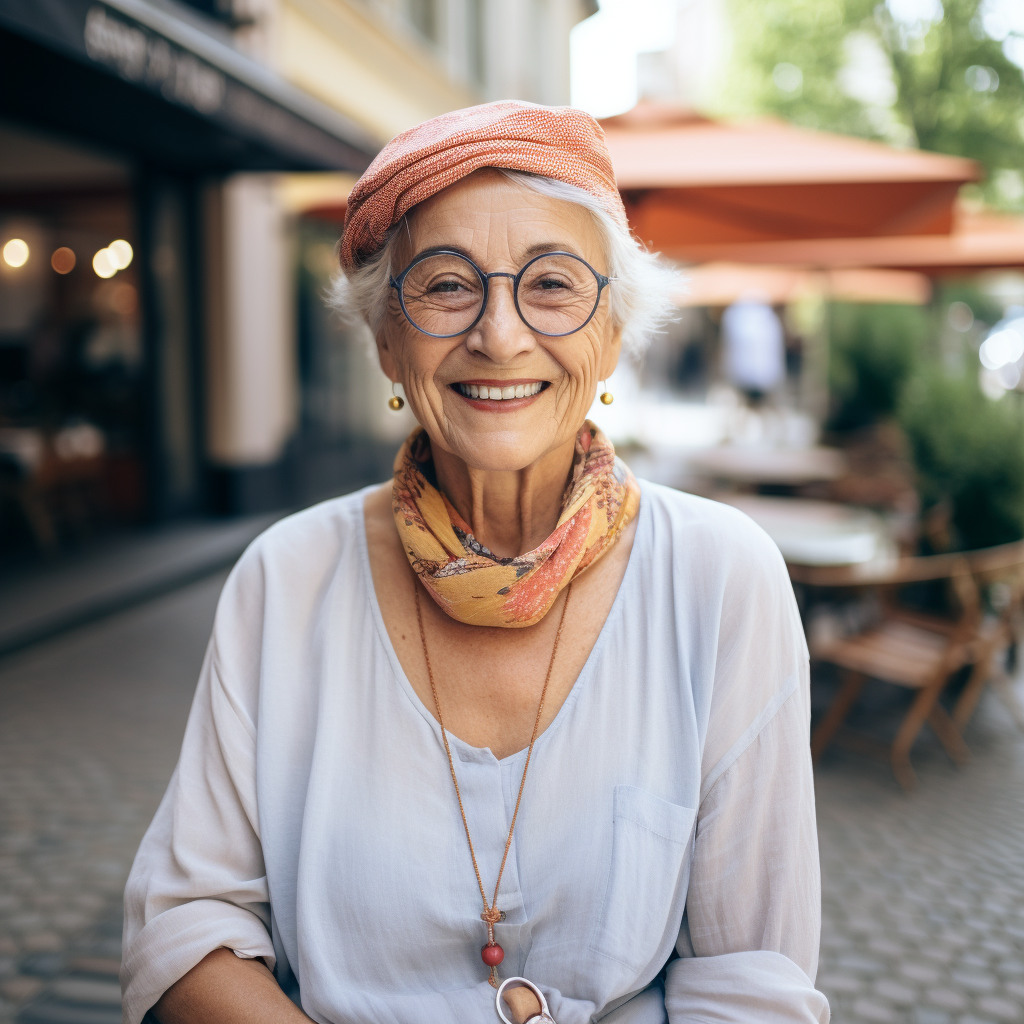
x=606 y=396
x=394 y=402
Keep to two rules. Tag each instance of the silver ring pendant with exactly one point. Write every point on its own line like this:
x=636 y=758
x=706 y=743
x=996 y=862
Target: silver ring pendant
x=544 y=1017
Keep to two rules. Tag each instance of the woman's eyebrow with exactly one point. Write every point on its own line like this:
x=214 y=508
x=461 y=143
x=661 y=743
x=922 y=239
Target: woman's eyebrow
x=433 y=249
x=539 y=248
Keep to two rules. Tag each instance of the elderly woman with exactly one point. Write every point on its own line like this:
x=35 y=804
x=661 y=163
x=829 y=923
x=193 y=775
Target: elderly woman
x=512 y=736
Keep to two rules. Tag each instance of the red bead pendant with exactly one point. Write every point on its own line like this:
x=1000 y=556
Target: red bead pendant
x=492 y=954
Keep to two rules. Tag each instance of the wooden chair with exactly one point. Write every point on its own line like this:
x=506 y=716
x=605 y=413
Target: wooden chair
x=1001 y=571
x=909 y=649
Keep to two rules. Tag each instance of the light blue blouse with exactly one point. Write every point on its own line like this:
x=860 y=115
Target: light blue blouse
x=668 y=810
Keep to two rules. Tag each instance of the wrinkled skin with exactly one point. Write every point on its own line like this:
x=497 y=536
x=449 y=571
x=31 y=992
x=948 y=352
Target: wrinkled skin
x=503 y=470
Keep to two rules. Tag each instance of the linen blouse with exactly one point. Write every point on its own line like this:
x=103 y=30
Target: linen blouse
x=664 y=866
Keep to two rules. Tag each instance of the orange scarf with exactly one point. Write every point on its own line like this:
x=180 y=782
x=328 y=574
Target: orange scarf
x=475 y=586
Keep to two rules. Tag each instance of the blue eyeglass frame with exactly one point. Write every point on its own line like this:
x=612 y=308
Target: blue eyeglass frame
x=485 y=279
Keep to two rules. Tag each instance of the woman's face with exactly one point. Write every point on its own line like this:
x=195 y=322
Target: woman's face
x=500 y=226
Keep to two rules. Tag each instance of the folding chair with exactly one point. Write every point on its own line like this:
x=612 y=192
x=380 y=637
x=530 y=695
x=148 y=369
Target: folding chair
x=1001 y=569
x=909 y=649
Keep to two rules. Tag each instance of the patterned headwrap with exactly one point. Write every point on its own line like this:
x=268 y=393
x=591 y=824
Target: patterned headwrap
x=557 y=142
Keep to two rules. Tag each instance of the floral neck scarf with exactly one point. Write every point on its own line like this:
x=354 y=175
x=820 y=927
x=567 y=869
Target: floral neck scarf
x=477 y=587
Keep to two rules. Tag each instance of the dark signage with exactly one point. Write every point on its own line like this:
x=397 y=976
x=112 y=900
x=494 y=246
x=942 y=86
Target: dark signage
x=265 y=122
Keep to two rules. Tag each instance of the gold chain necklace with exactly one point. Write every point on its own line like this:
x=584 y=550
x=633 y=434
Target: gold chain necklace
x=492 y=954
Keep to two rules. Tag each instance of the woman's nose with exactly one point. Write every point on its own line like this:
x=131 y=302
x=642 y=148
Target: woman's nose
x=501 y=335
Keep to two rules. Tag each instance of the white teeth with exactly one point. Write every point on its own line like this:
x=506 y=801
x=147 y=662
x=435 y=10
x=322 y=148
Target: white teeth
x=498 y=394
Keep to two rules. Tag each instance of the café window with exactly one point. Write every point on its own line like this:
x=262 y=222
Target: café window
x=72 y=416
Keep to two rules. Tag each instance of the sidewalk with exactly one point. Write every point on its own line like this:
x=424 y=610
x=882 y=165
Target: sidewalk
x=40 y=601
x=90 y=728
x=923 y=895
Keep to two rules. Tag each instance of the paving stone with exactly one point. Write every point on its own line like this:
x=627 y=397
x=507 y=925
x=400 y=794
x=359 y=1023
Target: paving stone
x=20 y=988
x=925 y=973
x=938 y=954
x=102 y=966
x=43 y=965
x=1001 y=1009
x=997 y=948
x=87 y=990
x=926 y=1015
x=886 y=946
x=42 y=942
x=860 y=963
x=839 y=983
x=946 y=998
x=48 y=1011
x=974 y=981
x=895 y=993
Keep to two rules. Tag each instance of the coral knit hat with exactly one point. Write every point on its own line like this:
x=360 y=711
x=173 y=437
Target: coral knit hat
x=557 y=142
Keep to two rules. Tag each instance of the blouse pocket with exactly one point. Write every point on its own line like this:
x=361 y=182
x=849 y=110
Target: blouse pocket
x=651 y=843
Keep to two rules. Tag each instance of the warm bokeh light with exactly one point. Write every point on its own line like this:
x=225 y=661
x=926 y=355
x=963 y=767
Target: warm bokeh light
x=120 y=253
x=16 y=252
x=63 y=260
x=103 y=264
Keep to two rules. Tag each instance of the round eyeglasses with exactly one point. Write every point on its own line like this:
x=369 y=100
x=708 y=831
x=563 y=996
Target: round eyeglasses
x=444 y=294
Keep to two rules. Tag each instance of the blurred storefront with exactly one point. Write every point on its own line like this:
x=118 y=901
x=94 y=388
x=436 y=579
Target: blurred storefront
x=120 y=125
x=191 y=367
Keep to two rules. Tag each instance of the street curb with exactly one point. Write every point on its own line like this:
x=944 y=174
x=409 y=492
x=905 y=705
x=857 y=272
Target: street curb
x=170 y=574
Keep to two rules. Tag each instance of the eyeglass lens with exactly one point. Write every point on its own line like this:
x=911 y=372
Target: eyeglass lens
x=443 y=294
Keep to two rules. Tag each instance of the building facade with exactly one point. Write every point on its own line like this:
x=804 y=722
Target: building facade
x=218 y=139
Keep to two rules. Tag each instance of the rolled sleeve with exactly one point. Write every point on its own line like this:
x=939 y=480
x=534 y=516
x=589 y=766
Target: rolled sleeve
x=738 y=988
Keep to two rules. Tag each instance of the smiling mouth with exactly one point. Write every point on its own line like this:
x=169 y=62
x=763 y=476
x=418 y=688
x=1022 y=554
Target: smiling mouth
x=492 y=393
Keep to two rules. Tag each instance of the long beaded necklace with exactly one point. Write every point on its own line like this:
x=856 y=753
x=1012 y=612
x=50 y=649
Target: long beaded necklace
x=492 y=954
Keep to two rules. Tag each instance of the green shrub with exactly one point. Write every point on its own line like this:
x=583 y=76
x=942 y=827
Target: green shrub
x=968 y=451
x=872 y=353
x=986 y=309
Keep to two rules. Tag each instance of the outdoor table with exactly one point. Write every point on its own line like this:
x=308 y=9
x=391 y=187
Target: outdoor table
x=751 y=465
x=818 y=533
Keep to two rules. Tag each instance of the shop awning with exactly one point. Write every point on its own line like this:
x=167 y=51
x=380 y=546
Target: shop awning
x=721 y=284
x=152 y=81
x=980 y=240
x=690 y=182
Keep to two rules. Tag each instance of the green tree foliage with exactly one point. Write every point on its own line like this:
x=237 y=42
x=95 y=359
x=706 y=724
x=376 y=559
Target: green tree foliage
x=969 y=452
x=850 y=66
x=872 y=353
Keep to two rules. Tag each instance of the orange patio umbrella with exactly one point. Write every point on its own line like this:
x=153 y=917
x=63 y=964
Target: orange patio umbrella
x=689 y=181
x=721 y=284
x=979 y=241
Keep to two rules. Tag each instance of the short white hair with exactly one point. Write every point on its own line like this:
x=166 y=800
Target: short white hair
x=641 y=297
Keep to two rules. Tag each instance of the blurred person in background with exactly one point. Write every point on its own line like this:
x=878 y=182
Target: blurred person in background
x=755 y=348
x=513 y=736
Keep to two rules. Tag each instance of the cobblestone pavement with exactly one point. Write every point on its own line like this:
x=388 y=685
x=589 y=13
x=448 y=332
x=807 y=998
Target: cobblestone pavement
x=90 y=724
x=923 y=896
